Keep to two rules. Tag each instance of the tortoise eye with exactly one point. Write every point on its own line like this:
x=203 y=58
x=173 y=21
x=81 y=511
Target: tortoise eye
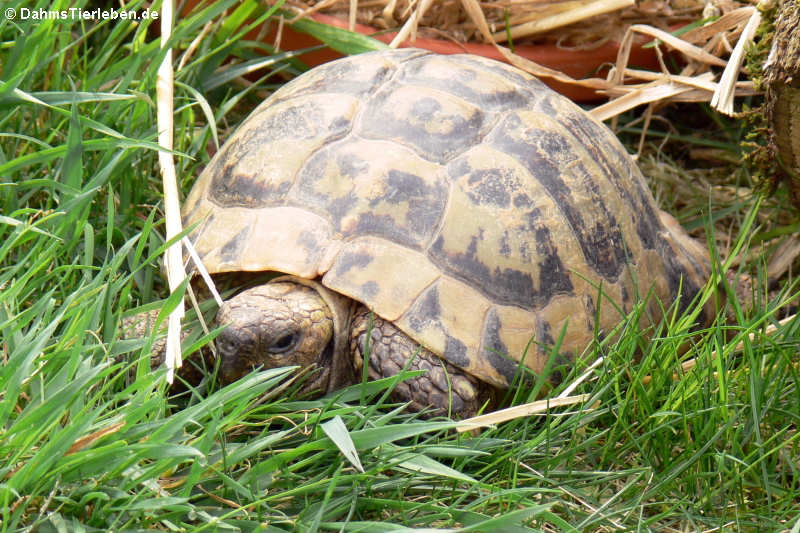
x=284 y=343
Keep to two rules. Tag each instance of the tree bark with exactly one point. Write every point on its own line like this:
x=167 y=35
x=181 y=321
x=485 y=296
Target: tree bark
x=782 y=85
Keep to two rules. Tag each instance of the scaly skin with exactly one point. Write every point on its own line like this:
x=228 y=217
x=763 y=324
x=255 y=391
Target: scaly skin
x=285 y=323
x=275 y=325
x=444 y=388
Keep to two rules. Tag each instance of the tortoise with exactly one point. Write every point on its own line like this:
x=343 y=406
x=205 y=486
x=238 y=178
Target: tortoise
x=445 y=213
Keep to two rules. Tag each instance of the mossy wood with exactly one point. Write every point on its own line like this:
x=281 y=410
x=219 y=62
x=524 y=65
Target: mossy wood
x=781 y=79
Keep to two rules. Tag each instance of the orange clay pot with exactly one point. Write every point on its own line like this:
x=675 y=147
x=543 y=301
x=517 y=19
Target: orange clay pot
x=575 y=63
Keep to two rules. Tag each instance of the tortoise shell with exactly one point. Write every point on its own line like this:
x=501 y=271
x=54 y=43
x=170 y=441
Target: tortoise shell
x=455 y=196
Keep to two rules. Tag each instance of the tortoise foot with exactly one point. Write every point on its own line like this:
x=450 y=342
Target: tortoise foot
x=444 y=388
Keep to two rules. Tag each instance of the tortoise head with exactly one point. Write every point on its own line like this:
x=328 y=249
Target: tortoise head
x=275 y=325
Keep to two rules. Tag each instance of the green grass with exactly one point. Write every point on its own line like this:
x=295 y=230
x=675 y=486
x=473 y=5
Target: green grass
x=91 y=441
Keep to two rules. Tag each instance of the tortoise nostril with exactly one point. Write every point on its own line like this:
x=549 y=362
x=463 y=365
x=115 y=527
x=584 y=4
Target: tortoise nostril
x=228 y=344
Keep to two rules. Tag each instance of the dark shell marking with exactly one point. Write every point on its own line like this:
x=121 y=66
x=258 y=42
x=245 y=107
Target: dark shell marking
x=455 y=196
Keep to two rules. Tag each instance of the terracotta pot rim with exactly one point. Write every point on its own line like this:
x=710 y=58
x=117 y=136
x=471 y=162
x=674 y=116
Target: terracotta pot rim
x=575 y=63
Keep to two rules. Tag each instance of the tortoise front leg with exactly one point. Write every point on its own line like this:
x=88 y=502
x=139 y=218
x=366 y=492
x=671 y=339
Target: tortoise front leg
x=444 y=388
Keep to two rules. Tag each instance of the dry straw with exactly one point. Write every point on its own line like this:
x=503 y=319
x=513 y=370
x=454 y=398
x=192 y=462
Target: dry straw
x=704 y=49
x=519 y=411
x=172 y=211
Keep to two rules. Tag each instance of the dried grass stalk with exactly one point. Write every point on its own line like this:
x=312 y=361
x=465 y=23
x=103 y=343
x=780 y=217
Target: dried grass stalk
x=725 y=23
x=722 y=100
x=308 y=11
x=689 y=50
x=583 y=377
x=409 y=29
x=172 y=210
x=696 y=83
x=689 y=364
x=473 y=9
x=783 y=258
x=701 y=47
x=518 y=411
x=559 y=20
x=655 y=92
x=447 y=20
x=701 y=81
x=351 y=22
